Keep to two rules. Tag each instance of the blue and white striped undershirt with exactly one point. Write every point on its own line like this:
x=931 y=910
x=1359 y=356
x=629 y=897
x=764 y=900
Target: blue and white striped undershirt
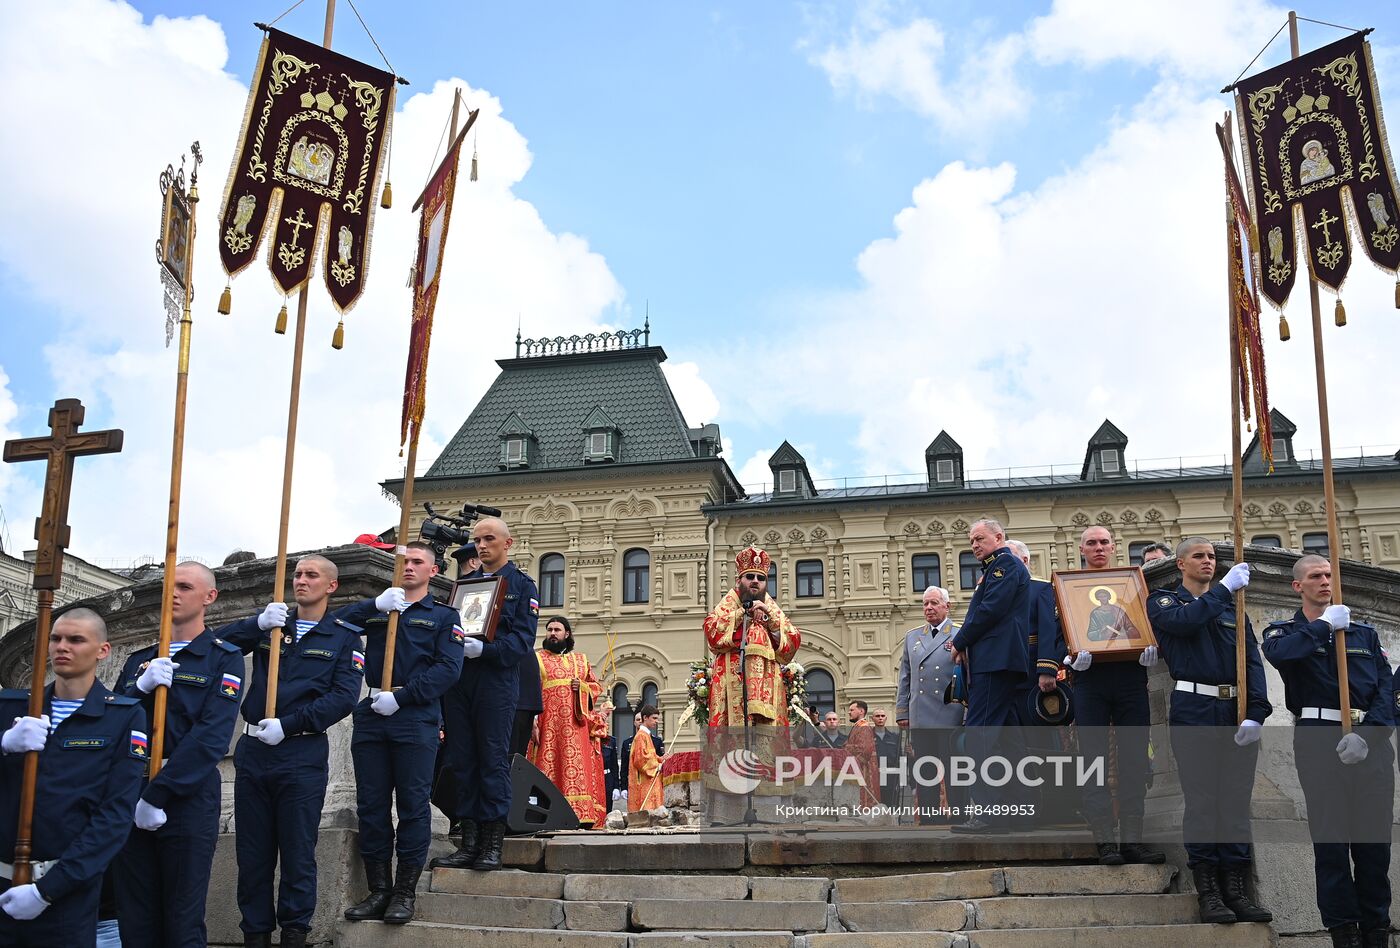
x=59 y=711
x=177 y=647
x=304 y=626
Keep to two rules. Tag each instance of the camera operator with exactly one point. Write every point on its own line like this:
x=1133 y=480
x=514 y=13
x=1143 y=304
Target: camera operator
x=481 y=706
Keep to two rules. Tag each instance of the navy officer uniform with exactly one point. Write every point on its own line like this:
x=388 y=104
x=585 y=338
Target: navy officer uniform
x=280 y=790
x=394 y=754
x=90 y=773
x=162 y=876
x=480 y=712
x=1350 y=806
x=993 y=640
x=1216 y=762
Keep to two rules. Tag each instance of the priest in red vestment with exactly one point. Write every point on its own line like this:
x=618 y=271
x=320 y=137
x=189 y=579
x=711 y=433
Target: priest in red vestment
x=568 y=731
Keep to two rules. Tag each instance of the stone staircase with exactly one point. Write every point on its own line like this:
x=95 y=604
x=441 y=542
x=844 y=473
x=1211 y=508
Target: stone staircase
x=828 y=889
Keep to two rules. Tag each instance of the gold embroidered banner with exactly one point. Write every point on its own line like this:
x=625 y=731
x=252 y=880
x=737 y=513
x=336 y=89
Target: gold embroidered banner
x=307 y=167
x=1318 y=164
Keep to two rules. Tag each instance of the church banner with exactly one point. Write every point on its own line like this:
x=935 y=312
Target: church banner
x=1318 y=165
x=307 y=167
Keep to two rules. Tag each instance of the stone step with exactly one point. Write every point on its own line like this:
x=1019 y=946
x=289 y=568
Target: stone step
x=499 y=911
x=1138 y=936
x=689 y=852
x=419 y=934
x=686 y=915
x=945 y=916
x=1069 y=911
x=512 y=882
x=922 y=886
x=607 y=886
x=713 y=940
x=930 y=847
x=1087 y=880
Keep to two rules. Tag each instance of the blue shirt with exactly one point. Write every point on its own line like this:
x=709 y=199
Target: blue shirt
x=1196 y=637
x=427 y=648
x=519 y=619
x=1306 y=656
x=995 y=630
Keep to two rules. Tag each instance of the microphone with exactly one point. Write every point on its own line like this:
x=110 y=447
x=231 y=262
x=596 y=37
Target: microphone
x=481 y=510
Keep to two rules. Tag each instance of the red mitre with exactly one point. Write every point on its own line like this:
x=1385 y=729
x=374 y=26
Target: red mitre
x=753 y=560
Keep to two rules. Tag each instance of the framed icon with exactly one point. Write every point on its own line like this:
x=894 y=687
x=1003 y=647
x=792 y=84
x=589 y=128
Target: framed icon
x=174 y=234
x=1104 y=612
x=478 y=603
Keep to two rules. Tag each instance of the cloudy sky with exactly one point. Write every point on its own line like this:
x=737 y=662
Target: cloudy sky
x=853 y=224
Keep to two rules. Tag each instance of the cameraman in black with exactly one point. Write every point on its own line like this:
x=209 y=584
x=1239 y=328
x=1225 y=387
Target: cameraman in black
x=480 y=708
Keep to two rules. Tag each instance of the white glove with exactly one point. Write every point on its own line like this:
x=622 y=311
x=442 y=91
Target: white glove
x=617 y=794
x=1080 y=662
x=1148 y=658
x=270 y=732
x=27 y=734
x=391 y=600
x=1338 y=616
x=23 y=903
x=384 y=703
x=274 y=616
x=1352 y=749
x=1249 y=732
x=1237 y=578
x=472 y=647
x=159 y=671
x=149 y=817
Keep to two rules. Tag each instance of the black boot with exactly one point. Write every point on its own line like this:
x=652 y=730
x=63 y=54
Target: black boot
x=492 y=839
x=1109 y=855
x=1346 y=936
x=293 y=938
x=1213 y=910
x=1134 y=851
x=380 y=882
x=1234 y=893
x=1376 y=938
x=466 y=852
x=401 y=906
x=257 y=940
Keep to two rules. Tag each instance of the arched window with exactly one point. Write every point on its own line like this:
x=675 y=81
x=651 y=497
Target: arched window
x=650 y=696
x=636 y=576
x=622 y=714
x=552 y=580
x=821 y=690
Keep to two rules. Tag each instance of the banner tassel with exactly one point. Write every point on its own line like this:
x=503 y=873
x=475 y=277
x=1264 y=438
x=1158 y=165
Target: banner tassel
x=226 y=298
x=281 y=327
x=1397 y=292
x=1340 y=313
x=338 y=339
x=1283 y=333
x=1397 y=285
x=388 y=200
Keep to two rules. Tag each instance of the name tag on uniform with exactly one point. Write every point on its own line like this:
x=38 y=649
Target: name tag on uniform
x=84 y=743
x=190 y=678
x=422 y=623
x=318 y=653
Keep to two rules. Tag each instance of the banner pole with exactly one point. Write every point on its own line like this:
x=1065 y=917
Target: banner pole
x=1236 y=452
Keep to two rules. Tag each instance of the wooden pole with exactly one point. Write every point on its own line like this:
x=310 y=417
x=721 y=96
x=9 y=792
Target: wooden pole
x=29 y=783
x=391 y=632
x=279 y=581
x=1334 y=545
x=1237 y=467
x=177 y=454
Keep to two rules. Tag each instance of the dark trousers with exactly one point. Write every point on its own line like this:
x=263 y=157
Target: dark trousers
x=72 y=920
x=1350 y=808
x=1114 y=694
x=162 y=877
x=991 y=731
x=278 y=795
x=480 y=719
x=520 y=732
x=1217 y=782
x=393 y=759
x=935 y=742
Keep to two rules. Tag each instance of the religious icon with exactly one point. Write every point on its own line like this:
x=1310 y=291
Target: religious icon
x=1315 y=165
x=346 y=242
x=478 y=603
x=311 y=160
x=1376 y=203
x=1104 y=612
x=1276 y=246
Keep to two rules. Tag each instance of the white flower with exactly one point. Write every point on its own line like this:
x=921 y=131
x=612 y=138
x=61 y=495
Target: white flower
x=796 y=668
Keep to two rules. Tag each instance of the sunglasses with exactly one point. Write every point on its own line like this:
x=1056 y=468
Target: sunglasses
x=757 y=577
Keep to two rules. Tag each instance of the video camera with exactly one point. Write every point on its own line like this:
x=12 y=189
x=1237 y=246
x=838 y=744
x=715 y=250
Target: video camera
x=443 y=530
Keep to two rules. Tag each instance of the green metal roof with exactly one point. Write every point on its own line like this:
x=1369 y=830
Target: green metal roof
x=553 y=396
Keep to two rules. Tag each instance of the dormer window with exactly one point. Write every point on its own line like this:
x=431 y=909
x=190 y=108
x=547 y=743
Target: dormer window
x=946 y=471
x=790 y=476
x=598 y=443
x=515 y=451
x=518 y=445
x=787 y=480
x=943 y=459
x=600 y=437
x=1108 y=461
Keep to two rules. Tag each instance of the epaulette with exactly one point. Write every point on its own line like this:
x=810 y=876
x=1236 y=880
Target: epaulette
x=122 y=700
x=346 y=625
x=15 y=694
x=228 y=646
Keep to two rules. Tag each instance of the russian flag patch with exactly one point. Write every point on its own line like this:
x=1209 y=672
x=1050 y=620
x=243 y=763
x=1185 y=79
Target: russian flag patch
x=458 y=635
x=139 y=747
x=230 y=686
x=534 y=607
x=358 y=659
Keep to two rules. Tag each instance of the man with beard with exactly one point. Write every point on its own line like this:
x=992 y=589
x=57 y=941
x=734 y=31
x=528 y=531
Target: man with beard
x=567 y=731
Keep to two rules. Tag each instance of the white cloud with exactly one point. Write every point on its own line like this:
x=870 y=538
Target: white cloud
x=698 y=401
x=79 y=226
x=963 y=89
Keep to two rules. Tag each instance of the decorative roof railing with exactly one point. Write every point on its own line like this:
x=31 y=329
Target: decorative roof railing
x=589 y=342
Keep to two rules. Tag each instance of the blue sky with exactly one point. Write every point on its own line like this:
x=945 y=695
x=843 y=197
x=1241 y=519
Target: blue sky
x=853 y=224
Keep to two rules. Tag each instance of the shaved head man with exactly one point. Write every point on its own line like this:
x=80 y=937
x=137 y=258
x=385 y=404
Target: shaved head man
x=1097 y=547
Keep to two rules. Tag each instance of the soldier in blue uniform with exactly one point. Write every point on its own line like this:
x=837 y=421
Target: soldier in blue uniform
x=1197 y=628
x=1347 y=780
x=396 y=733
x=1114 y=693
x=480 y=707
x=281 y=764
x=92 y=751
x=991 y=646
x=162 y=874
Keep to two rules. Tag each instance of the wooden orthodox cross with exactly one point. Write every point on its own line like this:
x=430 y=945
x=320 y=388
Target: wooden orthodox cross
x=51 y=530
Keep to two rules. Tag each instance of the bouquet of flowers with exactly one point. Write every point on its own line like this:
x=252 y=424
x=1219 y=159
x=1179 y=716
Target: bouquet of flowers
x=697 y=689
x=795 y=681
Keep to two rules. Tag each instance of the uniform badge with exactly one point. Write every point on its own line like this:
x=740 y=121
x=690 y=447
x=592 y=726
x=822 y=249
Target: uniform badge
x=534 y=607
x=358 y=660
x=458 y=635
x=230 y=686
x=139 y=748
x=948 y=645
x=1164 y=601
x=997 y=573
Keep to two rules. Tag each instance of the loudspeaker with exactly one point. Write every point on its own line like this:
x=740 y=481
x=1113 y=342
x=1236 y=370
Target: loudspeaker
x=536 y=804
